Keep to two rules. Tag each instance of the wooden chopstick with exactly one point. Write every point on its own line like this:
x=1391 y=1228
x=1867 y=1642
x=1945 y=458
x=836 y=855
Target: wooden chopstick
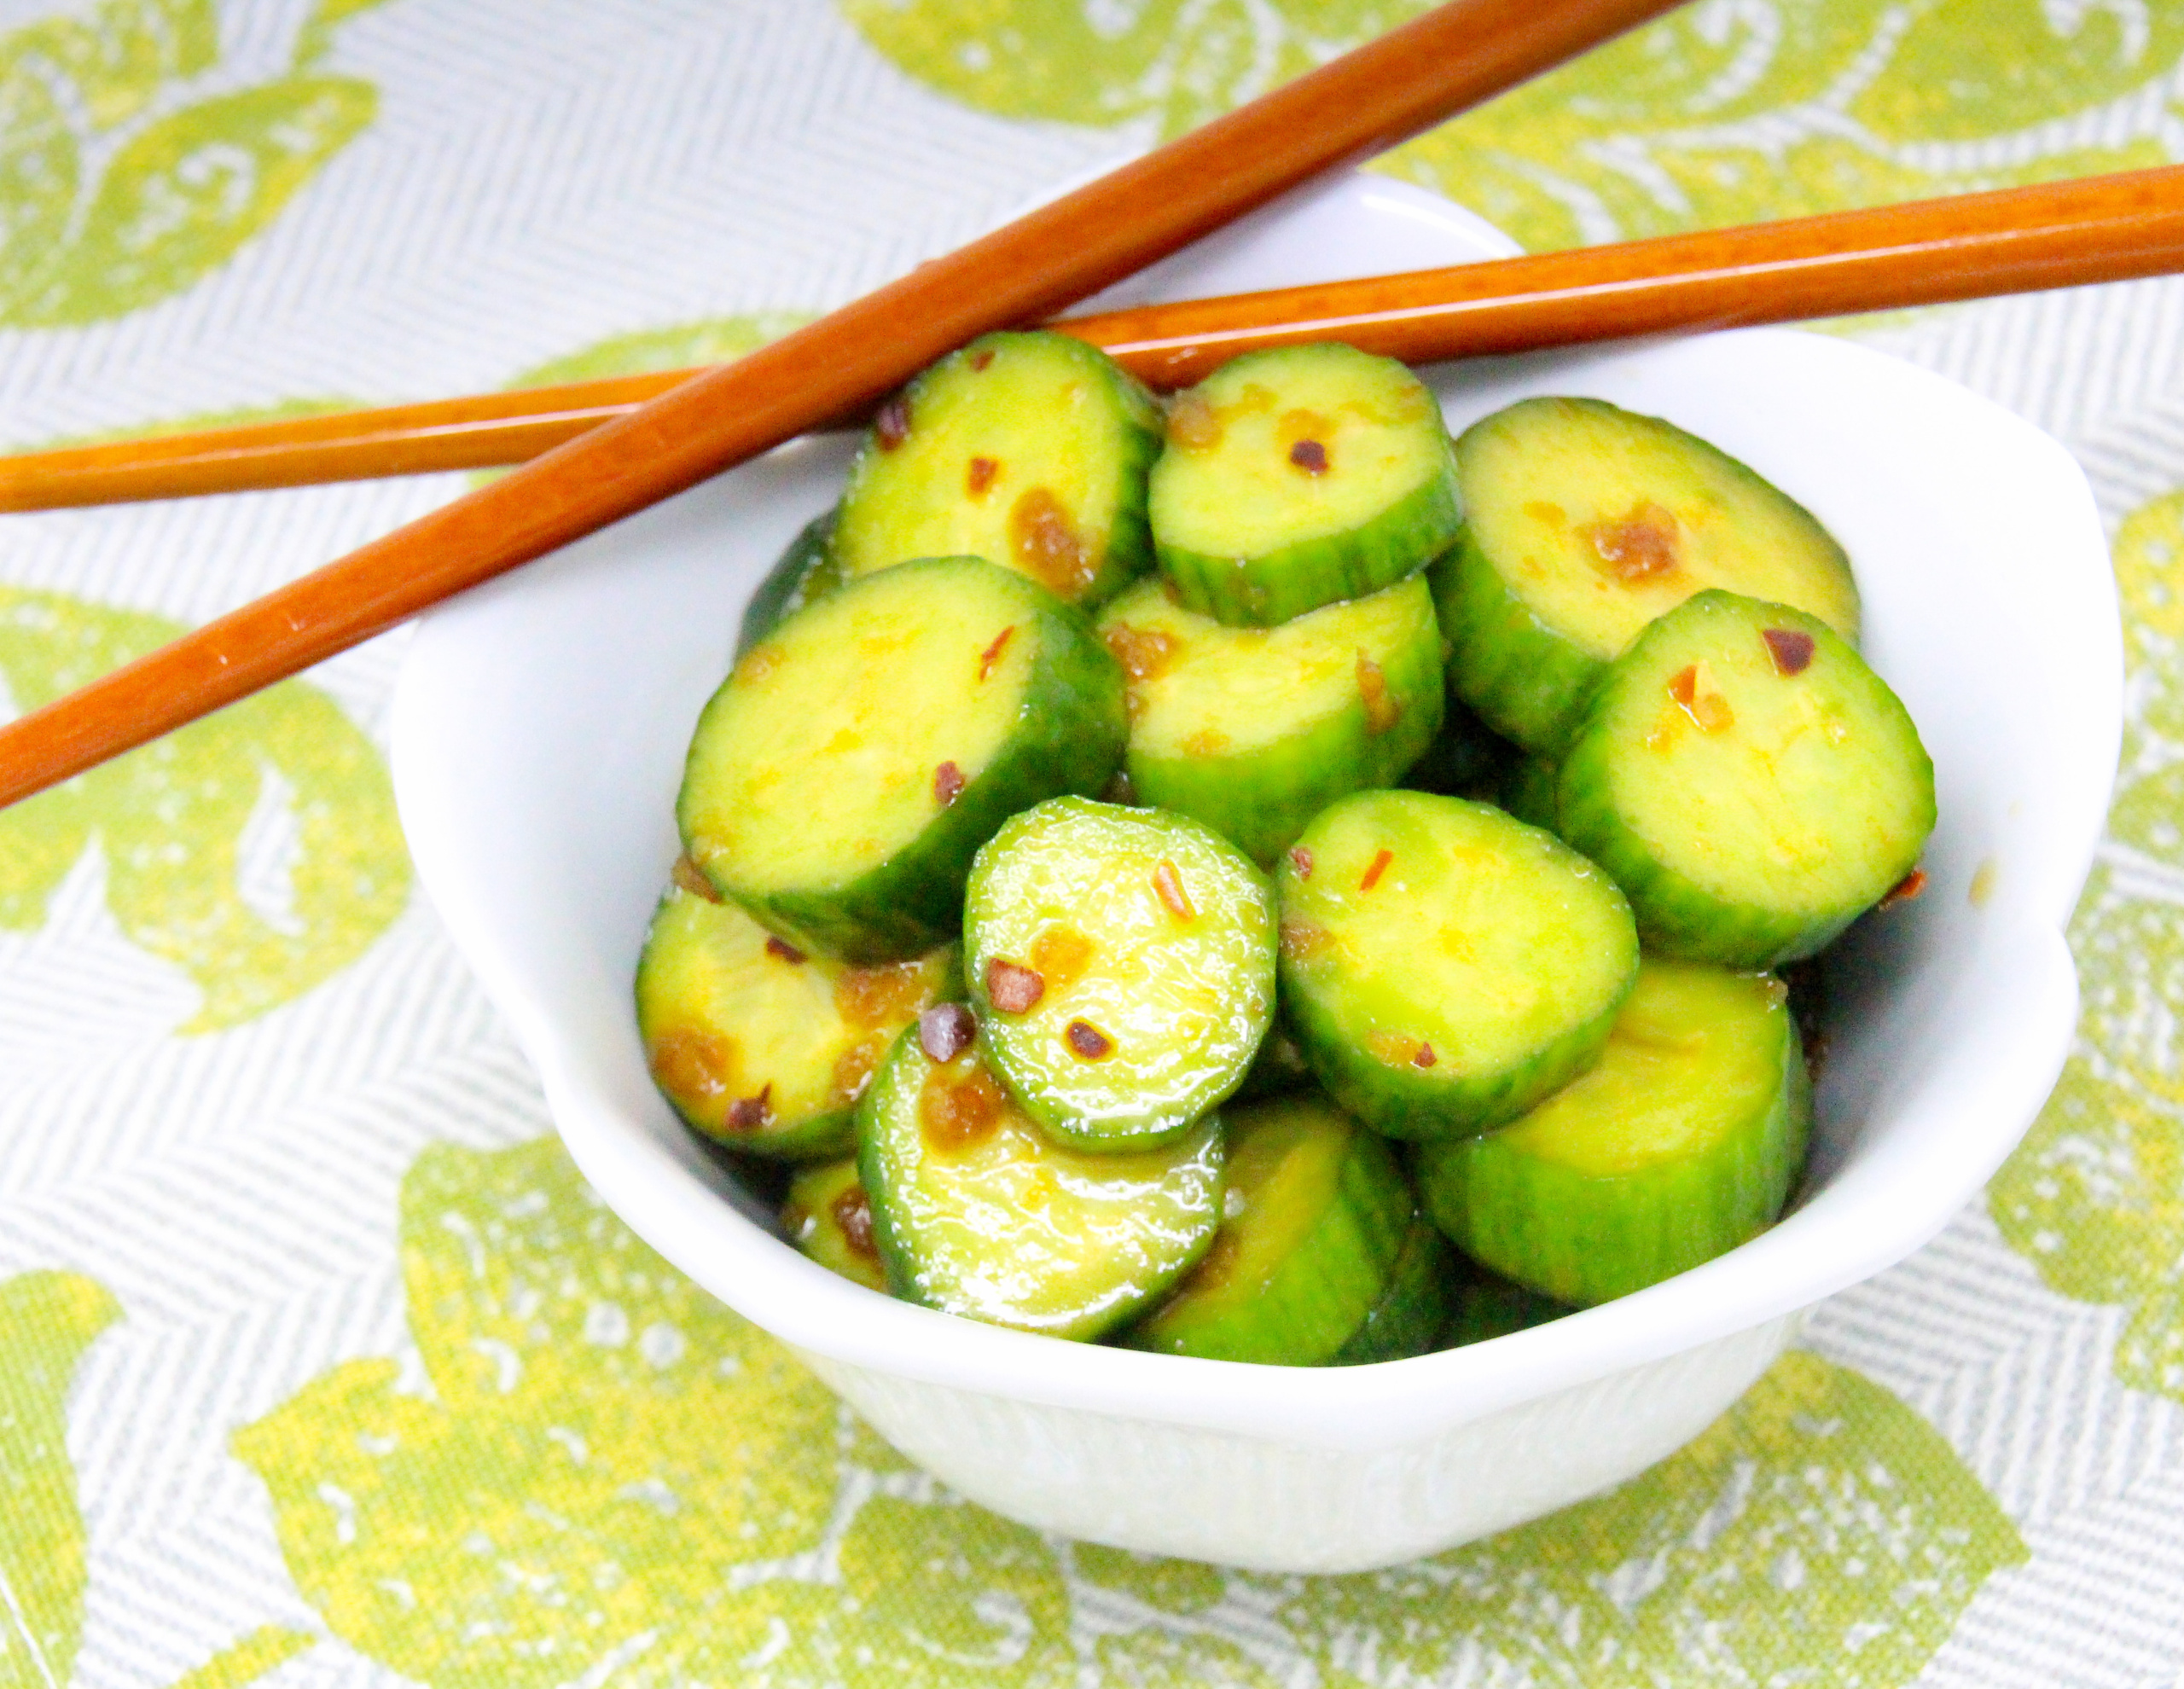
x=1406 y=81
x=2102 y=228
x=481 y=431
x=1928 y=252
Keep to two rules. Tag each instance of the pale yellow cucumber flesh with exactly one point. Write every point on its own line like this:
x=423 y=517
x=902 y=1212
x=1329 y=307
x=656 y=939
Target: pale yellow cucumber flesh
x=1231 y=483
x=1462 y=938
x=1024 y=461
x=1284 y=1171
x=840 y=720
x=1600 y=521
x=1198 y=688
x=747 y=1035
x=829 y=1217
x=1762 y=786
x=1696 y=1053
x=1153 y=940
x=999 y=1223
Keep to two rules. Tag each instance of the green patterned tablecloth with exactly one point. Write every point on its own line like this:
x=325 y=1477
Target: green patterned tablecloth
x=319 y=1366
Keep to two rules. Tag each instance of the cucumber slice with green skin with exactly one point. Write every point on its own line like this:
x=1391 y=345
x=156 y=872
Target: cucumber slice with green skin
x=758 y=1045
x=1749 y=783
x=1255 y=730
x=1444 y=966
x=1527 y=793
x=1414 y=1310
x=1483 y=1305
x=842 y=779
x=829 y=1217
x=1121 y=961
x=804 y=574
x=1030 y=450
x=1466 y=759
x=1582 y=522
x=1315 y=1218
x=1296 y=477
x=977 y=1212
x=1682 y=1143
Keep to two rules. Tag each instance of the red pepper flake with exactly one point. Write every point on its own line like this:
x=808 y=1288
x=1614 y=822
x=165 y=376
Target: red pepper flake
x=892 y=427
x=1310 y=456
x=1379 y=867
x=1791 y=649
x=787 y=951
x=982 y=471
x=1905 y=889
x=1012 y=987
x=1382 y=710
x=1302 y=860
x=752 y=1114
x=692 y=878
x=1684 y=687
x=981 y=357
x=852 y=1211
x=945 y=1030
x=991 y=654
x=1167 y=882
x=1089 y=1041
x=948 y=784
x=1425 y=1058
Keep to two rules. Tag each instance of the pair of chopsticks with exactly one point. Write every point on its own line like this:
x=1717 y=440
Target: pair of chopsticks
x=609 y=449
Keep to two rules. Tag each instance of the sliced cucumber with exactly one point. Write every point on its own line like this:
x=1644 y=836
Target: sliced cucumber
x=1443 y=965
x=1296 y=477
x=1255 y=730
x=804 y=574
x=1414 y=1311
x=1749 y=783
x=1583 y=523
x=1483 y=1305
x=757 y=1044
x=842 y=779
x=1121 y=961
x=1466 y=759
x=979 y=1212
x=829 y=1217
x=1030 y=451
x=1316 y=1218
x=1681 y=1144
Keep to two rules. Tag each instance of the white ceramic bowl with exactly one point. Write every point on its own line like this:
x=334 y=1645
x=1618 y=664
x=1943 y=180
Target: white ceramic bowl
x=539 y=728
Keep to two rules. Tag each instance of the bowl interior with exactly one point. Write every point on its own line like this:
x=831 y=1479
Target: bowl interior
x=540 y=724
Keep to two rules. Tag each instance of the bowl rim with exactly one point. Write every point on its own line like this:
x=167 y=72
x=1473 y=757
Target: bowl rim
x=675 y=1202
